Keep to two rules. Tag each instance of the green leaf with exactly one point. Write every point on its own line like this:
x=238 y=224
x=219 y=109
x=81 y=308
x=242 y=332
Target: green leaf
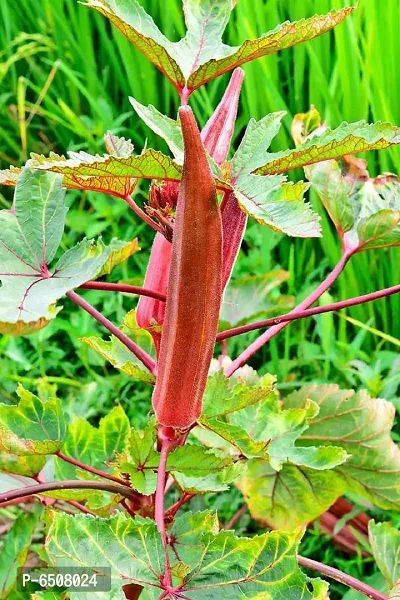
x=205 y=564
x=191 y=465
x=252 y=296
x=32 y=426
x=151 y=164
x=97 y=447
x=118 y=354
x=15 y=549
x=224 y=395
x=212 y=483
x=365 y=211
x=169 y=129
x=119 y=252
x=361 y=426
x=263 y=429
x=348 y=138
x=201 y=55
x=270 y=200
x=29 y=239
x=271 y=495
x=140 y=452
x=385 y=545
x=355 y=423
x=28 y=466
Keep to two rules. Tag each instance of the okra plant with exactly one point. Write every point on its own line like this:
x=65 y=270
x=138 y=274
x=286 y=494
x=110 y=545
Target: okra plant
x=101 y=496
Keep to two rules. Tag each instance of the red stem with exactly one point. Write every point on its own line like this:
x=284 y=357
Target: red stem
x=171 y=512
x=167 y=444
x=267 y=335
x=122 y=287
x=348 y=580
x=148 y=362
x=129 y=200
x=42 y=488
x=90 y=469
x=228 y=333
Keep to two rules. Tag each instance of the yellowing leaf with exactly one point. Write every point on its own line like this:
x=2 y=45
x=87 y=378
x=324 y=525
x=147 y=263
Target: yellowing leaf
x=33 y=426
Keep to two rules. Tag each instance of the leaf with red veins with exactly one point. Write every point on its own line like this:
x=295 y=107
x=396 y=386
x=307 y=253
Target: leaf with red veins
x=151 y=164
x=30 y=235
x=201 y=55
x=348 y=138
x=270 y=200
x=365 y=210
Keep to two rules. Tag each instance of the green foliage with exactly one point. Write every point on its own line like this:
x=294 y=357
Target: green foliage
x=15 y=549
x=240 y=567
x=30 y=240
x=32 y=427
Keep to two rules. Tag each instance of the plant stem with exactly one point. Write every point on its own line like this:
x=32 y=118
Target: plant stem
x=267 y=335
x=90 y=469
x=148 y=362
x=42 y=488
x=121 y=287
x=167 y=444
x=171 y=512
x=141 y=213
x=232 y=522
x=287 y=318
x=348 y=580
x=81 y=508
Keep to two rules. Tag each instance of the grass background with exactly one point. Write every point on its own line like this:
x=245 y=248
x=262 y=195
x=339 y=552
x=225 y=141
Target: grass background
x=65 y=78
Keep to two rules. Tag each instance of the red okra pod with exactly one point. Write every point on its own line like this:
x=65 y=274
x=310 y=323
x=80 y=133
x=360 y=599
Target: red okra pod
x=194 y=289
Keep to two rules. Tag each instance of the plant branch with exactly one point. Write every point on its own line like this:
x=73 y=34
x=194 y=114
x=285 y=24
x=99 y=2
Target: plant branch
x=167 y=444
x=121 y=287
x=148 y=362
x=267 y=335
x=141 y=213
x=49 y=486
x=81 y=508
x=289 y=317
x=171 y=512
x=90 y=469
x=232 y=522
x=347 y=580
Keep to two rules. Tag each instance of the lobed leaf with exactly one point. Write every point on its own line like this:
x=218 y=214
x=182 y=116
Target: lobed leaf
x=348 y=138
x=270 y=200
x=365 y=210
x=192 y=466
x=32 y=427
x=201 y=55
x=204 y=563
x=151 y=164
x=118 y=354
x=94 y=446
x=29 y=239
